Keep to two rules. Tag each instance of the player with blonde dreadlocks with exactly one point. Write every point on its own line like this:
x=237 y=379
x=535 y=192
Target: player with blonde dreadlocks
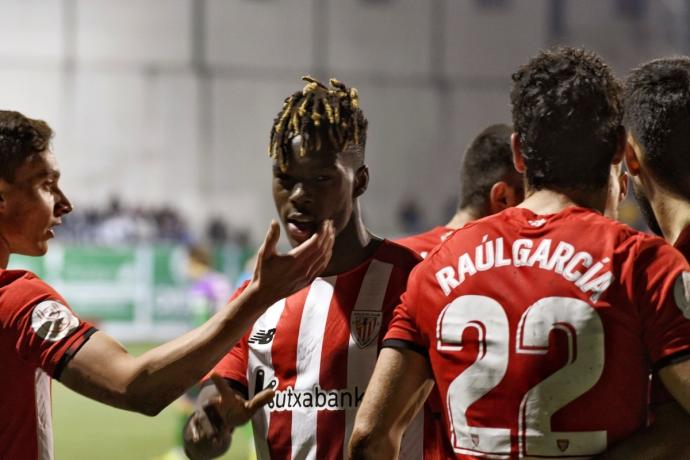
x=313 y=351
x=318 y=113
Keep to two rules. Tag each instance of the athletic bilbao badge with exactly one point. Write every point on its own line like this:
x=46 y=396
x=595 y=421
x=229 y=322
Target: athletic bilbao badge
x=365 y=326
x=562 y=444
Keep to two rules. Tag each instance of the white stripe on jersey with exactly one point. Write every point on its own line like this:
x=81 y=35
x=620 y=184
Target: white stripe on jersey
x=44 y=417
x=309 y=346
x=260 y=357
x=412 y=445
x=361 y=361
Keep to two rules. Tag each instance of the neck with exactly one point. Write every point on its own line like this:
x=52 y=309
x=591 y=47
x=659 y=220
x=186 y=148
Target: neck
x=672 y=212
x=551 y=201
x=4 y=252
x=353 y=245
x=461 y=218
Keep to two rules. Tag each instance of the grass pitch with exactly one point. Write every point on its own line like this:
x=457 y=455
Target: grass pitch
x=85 y=429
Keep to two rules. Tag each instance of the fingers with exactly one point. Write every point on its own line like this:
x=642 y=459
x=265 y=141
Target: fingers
x=223 y=388
x=272 y=236
x=260 y=400
x=324 y=236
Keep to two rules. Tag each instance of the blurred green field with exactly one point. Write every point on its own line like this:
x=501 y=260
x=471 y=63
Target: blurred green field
x=85 y=429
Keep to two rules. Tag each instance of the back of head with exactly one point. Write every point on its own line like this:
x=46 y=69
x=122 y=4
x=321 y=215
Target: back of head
x=324 y=117
x=567 y=112
x=657 y=113
x=20 y=138
x=487 y=160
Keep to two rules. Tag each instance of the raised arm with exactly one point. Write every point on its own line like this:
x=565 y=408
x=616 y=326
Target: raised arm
x=397 y=390
x=103 y=370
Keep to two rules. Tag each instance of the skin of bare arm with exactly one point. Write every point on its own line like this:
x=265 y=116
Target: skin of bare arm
x=104 y=371
x=666 y=439
x=397 y=390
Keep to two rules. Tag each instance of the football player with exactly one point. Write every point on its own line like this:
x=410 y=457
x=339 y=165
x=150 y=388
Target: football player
x=540 y=324
x=316 y=349
x=42 y=338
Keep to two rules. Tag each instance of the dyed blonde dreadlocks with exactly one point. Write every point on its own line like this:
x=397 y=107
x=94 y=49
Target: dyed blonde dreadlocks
x=314 y=112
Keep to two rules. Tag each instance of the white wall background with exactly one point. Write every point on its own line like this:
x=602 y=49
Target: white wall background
x=171 y=101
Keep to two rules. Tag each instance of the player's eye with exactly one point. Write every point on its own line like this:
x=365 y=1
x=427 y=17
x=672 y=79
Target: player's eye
x=322 y=178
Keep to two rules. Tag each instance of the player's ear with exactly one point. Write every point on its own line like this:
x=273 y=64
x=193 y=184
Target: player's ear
x=501 y=196
x=518 y=161
x=623 y=181
x=361 y=181
x=632 y=156
x=3 y=196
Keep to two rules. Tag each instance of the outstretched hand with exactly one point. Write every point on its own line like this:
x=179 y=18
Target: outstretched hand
x=279 y=275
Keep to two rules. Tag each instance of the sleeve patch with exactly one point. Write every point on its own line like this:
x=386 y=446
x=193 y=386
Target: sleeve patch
x=681 y=293
x=53 y=321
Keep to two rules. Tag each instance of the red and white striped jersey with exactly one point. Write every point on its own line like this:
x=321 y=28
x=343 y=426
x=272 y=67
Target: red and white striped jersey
x=38 y=335
x=317 y=349
x=425 y=242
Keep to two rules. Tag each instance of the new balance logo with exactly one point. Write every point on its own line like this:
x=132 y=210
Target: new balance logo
x=263 y=336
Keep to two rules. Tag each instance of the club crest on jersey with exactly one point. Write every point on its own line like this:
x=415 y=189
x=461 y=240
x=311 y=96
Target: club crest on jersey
x=365 y=326
x=681 y=293
x=53 y=321
x=562 y=444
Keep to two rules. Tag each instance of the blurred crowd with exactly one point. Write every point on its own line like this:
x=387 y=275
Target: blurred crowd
x=118 y=223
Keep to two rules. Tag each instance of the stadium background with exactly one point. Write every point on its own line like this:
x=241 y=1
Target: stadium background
x=162 y=110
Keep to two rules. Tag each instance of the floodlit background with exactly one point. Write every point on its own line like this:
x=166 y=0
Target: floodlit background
x=162 y=110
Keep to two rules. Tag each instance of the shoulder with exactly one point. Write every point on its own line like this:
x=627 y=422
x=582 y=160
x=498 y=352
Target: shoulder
x=19 y=287
x=397 y=255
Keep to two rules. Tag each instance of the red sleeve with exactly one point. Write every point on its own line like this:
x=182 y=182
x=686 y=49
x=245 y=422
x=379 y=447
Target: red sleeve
x=404 y=326
x=662 y=291
x=45 y=330
x=233 y=365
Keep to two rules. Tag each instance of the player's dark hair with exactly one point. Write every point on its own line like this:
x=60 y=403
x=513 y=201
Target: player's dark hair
x=487 y=160
x=567 y=112
x=20 y=138
x=657 y=112
x=322 y=116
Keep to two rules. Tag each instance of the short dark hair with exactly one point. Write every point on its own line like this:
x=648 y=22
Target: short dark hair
x=657 y=112
x=567 y=111
x=20 y=138
x=321 y=115
x=487 y=160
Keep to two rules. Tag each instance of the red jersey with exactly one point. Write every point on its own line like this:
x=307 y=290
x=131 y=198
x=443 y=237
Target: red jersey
x=425 y=242
x=541 y=330
x=659 y=394
x=38 y=335
x=317 y=349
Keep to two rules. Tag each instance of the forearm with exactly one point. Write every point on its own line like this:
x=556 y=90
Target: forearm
x=397 y=390
x=153 y=380
x=667 y=438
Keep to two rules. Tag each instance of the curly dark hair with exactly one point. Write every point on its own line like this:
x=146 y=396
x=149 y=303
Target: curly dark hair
x=657 y=113
x=567 y=111
x=20 y=138
x=487 y=160
x=321 y=115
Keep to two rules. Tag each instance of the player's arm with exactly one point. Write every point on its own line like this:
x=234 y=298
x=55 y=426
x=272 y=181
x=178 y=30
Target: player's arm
x=666 y=439
x=219 y=409
x=397 y=390
x=103 y=370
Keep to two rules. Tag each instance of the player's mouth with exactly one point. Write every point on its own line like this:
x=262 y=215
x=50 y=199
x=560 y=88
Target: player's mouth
x=51 y=229
x=300 y=227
